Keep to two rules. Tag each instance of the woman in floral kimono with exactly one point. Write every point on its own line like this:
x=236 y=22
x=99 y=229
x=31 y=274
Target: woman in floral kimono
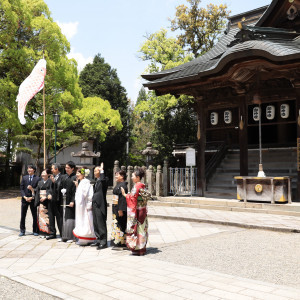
x=119 y=213
x=84 y=229
x=42 y=198
x=137 y=220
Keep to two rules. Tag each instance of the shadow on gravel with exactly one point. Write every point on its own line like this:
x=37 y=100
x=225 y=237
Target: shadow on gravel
x=152 y=250
x=7 y=194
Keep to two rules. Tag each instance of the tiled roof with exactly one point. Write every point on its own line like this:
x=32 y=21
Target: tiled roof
x=214 y=60
x=269 y=43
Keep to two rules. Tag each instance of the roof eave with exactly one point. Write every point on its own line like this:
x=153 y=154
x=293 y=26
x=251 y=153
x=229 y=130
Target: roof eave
x=250 y=53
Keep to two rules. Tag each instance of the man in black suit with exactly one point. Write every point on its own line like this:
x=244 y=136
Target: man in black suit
x=28 y=185
x=99 y=208
x=54 y=207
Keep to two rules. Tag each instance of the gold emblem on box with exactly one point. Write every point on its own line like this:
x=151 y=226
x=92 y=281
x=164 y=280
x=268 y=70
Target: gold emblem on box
x=258 y=188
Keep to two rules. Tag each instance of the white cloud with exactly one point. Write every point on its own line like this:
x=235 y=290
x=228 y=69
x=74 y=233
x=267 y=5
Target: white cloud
x=68 y=29
x=81 y=60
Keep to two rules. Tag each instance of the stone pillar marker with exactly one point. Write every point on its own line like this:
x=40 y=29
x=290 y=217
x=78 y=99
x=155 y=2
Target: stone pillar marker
x=165 y=180
x=129 y=181
x=144 y=180
x=159 y=186
x=116 y=169
x=150 y=179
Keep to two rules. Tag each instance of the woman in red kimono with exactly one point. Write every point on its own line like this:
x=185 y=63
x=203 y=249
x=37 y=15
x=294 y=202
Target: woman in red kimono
x=137 y=220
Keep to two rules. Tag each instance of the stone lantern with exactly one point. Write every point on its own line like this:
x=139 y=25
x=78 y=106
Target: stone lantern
x=149 y=152
x=86 y=158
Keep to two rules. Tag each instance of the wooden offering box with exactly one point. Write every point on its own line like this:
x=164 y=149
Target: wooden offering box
x=270 y=189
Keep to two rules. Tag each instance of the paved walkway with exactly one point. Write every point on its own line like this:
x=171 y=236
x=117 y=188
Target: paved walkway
x=72 y=272
x=242 y=219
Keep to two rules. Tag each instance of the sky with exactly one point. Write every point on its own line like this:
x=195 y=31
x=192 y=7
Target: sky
x=116 y=29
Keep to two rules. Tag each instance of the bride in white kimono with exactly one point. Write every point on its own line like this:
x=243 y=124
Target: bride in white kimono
x=84 y=229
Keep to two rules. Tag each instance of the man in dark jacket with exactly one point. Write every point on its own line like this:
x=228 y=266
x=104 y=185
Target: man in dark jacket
x=28 y=185
x=54 y=208
x=99 y=208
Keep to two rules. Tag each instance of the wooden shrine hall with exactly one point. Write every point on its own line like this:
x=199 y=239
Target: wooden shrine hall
x=253 y=69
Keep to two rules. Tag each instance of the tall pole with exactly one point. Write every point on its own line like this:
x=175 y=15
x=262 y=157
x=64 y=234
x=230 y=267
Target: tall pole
x=259 y=126
x=44 y=127
x=127 y=134
x=55 y=142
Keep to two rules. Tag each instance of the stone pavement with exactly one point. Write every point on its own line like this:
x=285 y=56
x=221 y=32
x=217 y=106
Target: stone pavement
x=264 y=221
x=72 y=272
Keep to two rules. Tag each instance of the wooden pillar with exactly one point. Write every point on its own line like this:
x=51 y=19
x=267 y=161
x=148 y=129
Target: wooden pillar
x=243 y=136
x=297 y=90
x=201 y=144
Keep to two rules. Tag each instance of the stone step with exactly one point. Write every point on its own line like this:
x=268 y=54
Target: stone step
x=281 y=164
x=228 y=205
x=229 y=179
x=254 y=170
x=223 y=184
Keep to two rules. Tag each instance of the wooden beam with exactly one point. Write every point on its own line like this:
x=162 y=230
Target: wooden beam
x=297 y=91
x=201 y=144
x=243 y=136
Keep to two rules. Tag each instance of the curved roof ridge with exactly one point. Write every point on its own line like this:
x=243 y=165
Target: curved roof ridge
x=266 y=14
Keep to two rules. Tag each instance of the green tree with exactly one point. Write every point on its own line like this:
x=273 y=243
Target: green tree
x=27 y=33
x=100 y=79
x=199 y=28
x=142 y=126
x=163 y=53
x=26 y=30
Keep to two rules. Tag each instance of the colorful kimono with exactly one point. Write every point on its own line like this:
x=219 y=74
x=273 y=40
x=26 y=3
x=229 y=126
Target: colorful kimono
x=84 y=228
x=137 y=221
x=118 y=230
x=43 y=190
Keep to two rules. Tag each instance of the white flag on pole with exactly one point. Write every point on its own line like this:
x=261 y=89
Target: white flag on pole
x=30 y=87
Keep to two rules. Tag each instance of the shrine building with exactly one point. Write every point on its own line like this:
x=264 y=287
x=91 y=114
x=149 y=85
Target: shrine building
x=253 y=71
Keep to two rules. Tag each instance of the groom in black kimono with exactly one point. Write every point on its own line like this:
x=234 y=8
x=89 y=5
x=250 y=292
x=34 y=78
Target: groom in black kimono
x=68 y=217
x=55 y=210
x=99 y=208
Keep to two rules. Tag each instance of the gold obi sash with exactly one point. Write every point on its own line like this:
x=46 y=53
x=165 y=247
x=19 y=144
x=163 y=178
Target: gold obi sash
x=115 y=199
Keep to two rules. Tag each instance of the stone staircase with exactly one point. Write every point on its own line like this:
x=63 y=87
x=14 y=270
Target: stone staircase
x=234 y=205
x=276 y=163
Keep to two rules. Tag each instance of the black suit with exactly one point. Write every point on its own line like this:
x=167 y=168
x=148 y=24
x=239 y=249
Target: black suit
x=55 y=209
x=99 y=209
x=24 y=204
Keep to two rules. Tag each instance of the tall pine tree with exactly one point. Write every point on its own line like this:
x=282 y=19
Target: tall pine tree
x=101 y=80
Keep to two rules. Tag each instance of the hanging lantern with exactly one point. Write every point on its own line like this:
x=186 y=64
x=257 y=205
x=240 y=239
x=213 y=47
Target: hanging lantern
x=284 y=111
x=214 y=118
x=227 y=116
x=270 y=112
x=256 y=113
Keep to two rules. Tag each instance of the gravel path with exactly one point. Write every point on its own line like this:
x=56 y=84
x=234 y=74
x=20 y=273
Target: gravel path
x=11 y=290
x=256 y=254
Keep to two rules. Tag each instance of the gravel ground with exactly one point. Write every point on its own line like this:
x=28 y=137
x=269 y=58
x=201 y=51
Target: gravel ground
x=256 y=254
x=11 y=290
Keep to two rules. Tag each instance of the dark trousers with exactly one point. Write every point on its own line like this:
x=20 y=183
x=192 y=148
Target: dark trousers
x=55 y=211
x=99 y=220
x=24 y=208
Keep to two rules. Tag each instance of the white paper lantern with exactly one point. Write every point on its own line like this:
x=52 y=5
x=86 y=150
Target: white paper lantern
x=256 y=113
x=284 y=111
x=214 y=118
x=227 y=116
x=270 y=112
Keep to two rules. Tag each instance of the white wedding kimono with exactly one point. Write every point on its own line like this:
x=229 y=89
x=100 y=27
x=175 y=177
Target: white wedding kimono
x=84 y=229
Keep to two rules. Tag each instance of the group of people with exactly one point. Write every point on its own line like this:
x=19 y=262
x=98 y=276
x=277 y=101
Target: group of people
x=80 y=208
